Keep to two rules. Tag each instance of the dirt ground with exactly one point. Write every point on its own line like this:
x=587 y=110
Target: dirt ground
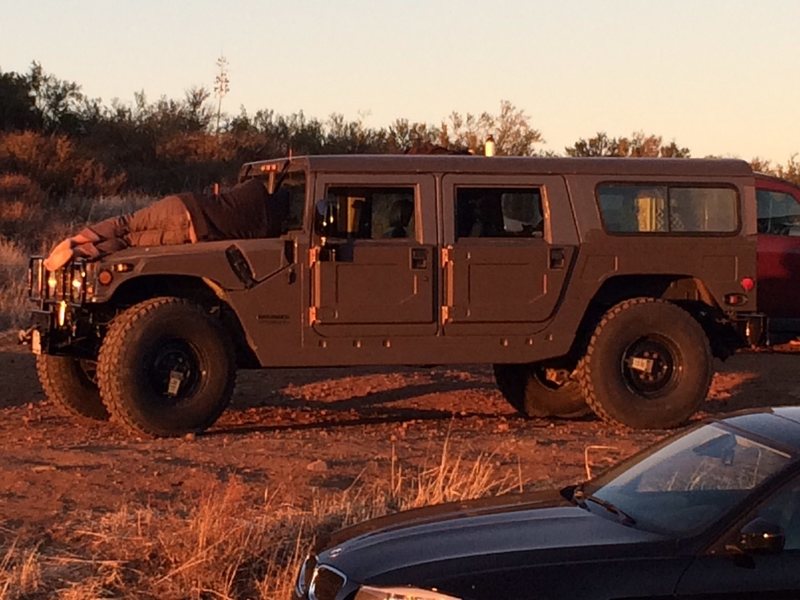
x=301 y=434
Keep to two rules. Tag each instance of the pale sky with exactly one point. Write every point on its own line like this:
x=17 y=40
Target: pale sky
x=719 y=76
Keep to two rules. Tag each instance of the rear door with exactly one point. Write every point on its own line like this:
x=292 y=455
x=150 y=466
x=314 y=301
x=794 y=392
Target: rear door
x=501 y=264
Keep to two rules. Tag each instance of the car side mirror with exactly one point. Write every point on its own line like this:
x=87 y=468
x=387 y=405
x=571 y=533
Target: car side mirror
x=760 y=536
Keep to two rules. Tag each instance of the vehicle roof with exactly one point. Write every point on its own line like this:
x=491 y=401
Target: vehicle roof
x=767 y=177
x=512 y=164
x=780 y=425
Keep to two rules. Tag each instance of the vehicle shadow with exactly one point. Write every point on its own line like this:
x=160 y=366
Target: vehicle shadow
x=350 y=397
x=755 y=380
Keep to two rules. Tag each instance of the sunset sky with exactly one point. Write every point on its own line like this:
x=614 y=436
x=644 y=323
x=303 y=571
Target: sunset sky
x=720 y=77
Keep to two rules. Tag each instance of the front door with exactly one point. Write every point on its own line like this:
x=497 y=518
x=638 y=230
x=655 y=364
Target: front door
x=502 y=266
x=725 y=572
x=376 y=271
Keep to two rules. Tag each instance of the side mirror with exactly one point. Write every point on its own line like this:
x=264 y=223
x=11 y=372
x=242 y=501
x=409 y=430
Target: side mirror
x=760 y=536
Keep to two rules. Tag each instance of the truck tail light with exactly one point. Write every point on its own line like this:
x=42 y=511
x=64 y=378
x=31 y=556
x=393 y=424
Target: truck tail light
x=748 y=284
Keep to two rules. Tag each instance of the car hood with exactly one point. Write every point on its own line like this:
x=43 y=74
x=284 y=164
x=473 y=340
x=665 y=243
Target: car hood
x=504 y=529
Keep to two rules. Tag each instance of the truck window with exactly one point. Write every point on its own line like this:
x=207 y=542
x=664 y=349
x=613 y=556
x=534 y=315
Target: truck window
x=376 y=213
x=778 y=213
x=643 y=208
x=499 y=212
x=295 y=184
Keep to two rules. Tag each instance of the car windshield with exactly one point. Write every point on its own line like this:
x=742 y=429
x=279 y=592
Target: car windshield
x=690 y=482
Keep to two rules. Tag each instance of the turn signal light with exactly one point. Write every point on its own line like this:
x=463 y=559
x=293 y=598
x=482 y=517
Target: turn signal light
x=748 y=284
x=105 y=277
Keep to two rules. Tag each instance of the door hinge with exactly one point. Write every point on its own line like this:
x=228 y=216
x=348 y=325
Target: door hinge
x=446 y=313
x=447 y=257
x=312 y=315
x=313 y=256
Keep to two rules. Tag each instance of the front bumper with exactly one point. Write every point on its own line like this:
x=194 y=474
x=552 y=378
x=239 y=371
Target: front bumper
x=60 y=323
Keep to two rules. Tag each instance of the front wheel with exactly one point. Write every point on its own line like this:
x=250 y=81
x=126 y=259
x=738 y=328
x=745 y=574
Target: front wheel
x=648 y=365
x=166 y=368
x=538 y=391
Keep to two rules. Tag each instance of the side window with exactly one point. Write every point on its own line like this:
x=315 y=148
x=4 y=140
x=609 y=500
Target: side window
x=783 y=509
x=643 y=208
x=499 y=212
x=374 y=212
x=778 y=213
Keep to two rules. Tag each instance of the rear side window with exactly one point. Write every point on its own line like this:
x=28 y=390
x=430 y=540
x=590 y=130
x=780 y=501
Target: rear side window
x=778 y=213
x=643 y=208
x=499 y=212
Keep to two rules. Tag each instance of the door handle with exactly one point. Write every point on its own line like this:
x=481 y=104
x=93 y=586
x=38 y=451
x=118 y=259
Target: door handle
x=419 y=259
x=558 y=259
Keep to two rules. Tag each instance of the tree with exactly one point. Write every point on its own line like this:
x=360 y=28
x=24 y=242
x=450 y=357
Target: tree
x=17 y=103
x=511 y=130
x=59 y=102
x=637 y=145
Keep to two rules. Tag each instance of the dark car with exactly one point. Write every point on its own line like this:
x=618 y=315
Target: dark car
x=713 y=512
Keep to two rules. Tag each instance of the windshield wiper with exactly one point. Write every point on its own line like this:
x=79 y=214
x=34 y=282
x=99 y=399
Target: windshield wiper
x=581 y=499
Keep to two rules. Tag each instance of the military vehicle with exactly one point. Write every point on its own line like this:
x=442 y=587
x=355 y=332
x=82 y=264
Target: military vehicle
x=602 y=284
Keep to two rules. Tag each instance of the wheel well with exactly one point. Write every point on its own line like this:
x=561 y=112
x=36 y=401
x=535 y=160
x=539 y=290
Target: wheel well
x=686 y=291
x=191 y=288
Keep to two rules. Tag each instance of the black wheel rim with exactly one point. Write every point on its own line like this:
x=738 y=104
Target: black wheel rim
x=651 y=366
x=174 y=370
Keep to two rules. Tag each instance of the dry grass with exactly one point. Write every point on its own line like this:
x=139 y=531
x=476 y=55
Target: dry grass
x=226 y=546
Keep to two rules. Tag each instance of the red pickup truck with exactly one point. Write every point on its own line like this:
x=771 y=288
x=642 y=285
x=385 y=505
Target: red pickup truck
x=779 y=255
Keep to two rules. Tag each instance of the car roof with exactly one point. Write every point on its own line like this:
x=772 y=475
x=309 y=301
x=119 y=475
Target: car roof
x=778 y=425
x=512 y=164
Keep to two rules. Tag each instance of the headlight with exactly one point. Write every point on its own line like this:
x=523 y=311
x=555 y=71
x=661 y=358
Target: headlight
x=399 y=593
x=77 y=277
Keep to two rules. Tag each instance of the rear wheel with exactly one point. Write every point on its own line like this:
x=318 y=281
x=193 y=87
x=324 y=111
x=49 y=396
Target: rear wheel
x=648 y=365
x=166 y=368
x=71 y=384
x=540 y=391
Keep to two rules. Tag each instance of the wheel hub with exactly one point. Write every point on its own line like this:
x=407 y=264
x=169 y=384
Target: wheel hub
x=174 y=371
x=650 y=366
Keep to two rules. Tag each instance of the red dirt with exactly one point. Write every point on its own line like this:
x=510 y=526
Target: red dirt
x=299 y=433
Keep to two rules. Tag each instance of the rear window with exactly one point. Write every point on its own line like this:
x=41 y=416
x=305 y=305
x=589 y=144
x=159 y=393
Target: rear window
x=502 y=212
x=644 y=208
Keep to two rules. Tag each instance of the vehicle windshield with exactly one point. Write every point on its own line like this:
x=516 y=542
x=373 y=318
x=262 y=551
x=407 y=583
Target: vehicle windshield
x=294 y=183
x=690 y=482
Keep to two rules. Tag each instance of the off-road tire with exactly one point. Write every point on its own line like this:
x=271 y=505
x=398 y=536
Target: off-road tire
x=528 y=391
x=146 y=344
x=68 y=385
x=659 y=396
